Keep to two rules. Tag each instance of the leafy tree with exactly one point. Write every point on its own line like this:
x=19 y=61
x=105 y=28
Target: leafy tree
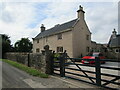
x=23 y=45
x=6 y=44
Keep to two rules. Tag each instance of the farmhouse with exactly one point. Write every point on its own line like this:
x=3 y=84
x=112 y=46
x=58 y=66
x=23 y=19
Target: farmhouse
x=73 y=36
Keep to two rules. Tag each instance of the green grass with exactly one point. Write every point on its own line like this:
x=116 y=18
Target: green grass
x=29 y=70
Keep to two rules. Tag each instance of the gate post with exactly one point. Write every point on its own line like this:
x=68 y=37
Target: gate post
x=62 y=66
x=98 y=71
x=48 y=56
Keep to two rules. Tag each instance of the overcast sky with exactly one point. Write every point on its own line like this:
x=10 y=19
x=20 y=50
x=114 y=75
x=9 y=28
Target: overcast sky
x=23 y=19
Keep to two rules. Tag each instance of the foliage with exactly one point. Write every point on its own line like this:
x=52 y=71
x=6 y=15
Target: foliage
x=56 y=55
x=23 y=45
x=31 y=71
x=6 y=44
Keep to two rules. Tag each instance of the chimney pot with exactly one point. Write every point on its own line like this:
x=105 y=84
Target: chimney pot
x=42 y=28
x=80 y=7
x=81 y=13
x=114 y=33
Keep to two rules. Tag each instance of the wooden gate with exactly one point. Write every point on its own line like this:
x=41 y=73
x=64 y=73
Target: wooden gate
x=72 y=68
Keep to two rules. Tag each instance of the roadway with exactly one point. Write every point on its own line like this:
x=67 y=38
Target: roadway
x=12 y=77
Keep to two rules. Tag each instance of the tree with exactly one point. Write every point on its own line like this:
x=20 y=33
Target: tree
x=6 y=44
x=23 y=45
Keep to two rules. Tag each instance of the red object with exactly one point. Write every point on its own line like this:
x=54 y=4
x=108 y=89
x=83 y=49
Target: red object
x=92 y=56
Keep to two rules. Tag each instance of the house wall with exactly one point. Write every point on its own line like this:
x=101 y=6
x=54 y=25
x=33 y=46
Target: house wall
x=113 y=53
x=96 y=47
x=93 y=46
x=53 y=42
x=80 y=43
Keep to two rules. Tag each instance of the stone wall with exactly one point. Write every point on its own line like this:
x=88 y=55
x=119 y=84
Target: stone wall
x=41 y=61
x=18 y=57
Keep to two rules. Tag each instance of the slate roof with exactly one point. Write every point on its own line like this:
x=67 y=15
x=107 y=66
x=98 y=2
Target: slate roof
x=56 y=29
x=115 y=42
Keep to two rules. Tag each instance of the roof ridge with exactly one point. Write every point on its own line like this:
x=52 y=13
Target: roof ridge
x=69 y=21
x=61 y=24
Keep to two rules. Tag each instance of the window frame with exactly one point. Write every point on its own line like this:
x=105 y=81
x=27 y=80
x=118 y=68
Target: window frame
x=46 y=39
x=37 y=40
x=59 y=36
x=59 y=49
x=117 y=50
x=87 y=37
x=88 y=49
x=37 y=50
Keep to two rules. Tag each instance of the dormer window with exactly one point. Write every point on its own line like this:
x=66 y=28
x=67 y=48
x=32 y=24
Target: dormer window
x=59 y=36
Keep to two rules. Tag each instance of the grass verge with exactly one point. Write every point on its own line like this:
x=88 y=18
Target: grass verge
x=29 y=70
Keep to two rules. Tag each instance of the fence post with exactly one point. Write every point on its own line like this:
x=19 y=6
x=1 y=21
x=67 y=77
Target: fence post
x=62 y=66
x=52 y=62
x=98 y=71
x=28 y=59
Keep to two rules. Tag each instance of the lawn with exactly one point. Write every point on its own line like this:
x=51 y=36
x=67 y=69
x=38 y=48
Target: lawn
x=29 y=70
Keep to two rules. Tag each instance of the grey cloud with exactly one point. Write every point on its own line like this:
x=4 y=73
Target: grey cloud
x=6 y=17
x=101 y=21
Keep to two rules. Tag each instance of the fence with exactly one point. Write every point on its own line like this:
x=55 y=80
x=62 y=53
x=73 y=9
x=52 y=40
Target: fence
x=95 y=76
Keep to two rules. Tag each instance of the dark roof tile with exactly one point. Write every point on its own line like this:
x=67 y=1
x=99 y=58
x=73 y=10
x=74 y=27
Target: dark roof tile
x=56 y=29
x=115 y=42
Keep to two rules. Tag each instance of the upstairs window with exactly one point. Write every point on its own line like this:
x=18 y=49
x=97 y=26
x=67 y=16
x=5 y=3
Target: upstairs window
x=37 y=40
x=59 y=36
x=59 y=49
x=87 y=37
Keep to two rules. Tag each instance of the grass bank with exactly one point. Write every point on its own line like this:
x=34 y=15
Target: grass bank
x=29 y=70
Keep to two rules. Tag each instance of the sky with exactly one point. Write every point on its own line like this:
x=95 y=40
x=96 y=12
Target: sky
x=23 y=19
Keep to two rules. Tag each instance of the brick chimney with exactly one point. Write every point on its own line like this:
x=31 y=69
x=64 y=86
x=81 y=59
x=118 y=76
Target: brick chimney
x=42 y=28
x=81 y=13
